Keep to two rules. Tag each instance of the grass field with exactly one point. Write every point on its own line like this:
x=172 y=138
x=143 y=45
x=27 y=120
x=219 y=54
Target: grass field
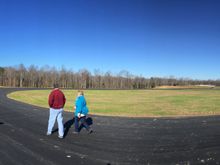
x=135 y=103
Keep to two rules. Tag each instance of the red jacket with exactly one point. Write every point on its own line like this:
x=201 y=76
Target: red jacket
x=56 y=99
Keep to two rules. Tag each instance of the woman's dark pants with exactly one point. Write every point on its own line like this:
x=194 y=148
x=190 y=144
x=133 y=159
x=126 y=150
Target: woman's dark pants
x=83 y=122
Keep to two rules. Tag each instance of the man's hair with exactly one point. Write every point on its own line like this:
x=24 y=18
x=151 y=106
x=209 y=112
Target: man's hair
x=56 y=85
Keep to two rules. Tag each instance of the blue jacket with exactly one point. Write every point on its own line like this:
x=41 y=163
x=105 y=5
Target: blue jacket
x=81 y=107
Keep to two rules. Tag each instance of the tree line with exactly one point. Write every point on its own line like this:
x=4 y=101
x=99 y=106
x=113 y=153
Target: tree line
x=46 y=76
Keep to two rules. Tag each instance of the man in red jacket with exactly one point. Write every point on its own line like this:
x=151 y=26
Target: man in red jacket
x=56 y=102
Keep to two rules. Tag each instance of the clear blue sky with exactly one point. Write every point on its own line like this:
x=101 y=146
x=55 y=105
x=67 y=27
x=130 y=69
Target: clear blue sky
x=161 y=38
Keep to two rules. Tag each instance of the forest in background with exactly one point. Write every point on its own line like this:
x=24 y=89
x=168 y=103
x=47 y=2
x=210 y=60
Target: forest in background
x=46 y=76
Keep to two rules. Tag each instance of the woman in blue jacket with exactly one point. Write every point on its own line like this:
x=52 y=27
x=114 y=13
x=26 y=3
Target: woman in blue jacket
x=81 y=111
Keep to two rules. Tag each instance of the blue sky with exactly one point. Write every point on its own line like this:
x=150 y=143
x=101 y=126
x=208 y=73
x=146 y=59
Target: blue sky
x=162 y=38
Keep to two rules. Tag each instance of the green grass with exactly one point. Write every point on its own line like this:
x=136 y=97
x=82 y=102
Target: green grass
x=135 y=103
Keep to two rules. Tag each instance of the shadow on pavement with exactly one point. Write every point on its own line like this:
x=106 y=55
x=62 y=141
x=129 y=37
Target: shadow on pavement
x=1 y=123
x=70 y=122
x=67 y=126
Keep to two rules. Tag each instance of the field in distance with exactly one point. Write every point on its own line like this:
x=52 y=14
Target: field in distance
x=135 y=103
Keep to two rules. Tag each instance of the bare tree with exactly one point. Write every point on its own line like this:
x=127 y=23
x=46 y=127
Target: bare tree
x=46 y=76
x=84 y=78
x=2 y=70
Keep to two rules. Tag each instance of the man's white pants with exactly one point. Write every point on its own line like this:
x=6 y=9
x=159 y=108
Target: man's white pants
x=56 y=114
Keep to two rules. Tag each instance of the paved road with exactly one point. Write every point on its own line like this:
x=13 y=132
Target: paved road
x=116 y=141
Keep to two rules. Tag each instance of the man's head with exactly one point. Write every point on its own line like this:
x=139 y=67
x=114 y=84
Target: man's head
x=56 y=85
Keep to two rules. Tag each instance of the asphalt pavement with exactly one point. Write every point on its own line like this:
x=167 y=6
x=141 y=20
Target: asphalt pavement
x=115 y=140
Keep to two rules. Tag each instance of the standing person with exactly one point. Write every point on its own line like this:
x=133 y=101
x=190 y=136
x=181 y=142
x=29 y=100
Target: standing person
x=56 y=102
x=81 y=111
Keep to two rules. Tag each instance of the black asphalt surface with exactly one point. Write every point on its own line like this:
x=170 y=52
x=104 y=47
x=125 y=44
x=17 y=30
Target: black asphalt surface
x=115 y=141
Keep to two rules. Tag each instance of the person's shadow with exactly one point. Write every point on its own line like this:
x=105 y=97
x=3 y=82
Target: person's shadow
x=67 y=126
x=70 y=122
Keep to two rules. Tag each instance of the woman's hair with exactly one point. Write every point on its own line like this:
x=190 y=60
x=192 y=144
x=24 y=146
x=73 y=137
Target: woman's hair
x=80 y=92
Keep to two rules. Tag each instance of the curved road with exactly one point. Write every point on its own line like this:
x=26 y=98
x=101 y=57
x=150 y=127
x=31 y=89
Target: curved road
x=116 y=141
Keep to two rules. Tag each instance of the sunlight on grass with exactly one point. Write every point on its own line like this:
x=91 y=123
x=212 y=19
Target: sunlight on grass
x=134 y=103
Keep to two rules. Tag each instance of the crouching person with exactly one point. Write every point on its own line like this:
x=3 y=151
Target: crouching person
x=81 y=110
